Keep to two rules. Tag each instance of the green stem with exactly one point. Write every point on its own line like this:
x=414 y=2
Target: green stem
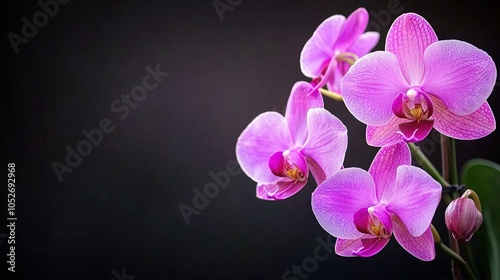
x=470 y=257
x=348 y=57
x=457 y=258
x=426 y=164
x=331 y=94
x=449 y=157
x=452 y=254
x=455 y=248
x=449 y=165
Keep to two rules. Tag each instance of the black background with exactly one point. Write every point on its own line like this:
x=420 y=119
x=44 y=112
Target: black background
x=119 y=207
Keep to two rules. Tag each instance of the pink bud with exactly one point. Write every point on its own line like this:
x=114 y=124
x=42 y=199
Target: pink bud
x=462 y=218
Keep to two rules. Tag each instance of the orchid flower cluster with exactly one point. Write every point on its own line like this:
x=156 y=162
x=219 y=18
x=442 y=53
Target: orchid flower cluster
x=417 y=83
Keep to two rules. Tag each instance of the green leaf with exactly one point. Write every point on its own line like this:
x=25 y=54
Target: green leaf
x=483 y=177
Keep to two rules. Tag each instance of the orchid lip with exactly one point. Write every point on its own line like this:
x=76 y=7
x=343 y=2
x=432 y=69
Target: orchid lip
x=415 y=106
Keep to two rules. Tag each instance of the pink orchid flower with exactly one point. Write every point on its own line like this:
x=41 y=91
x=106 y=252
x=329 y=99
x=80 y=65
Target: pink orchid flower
x=363 y=209
x=419 y=83
x=336 y=41
x=278 y=152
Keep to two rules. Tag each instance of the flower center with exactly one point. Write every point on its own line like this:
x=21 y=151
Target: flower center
x=289 y=164
x=373 y=220
x=417 y=112
x=291 y=169
x=413 y=105
x=375 y=227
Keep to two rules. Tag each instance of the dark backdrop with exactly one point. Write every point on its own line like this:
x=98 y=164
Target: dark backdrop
x=117 y=212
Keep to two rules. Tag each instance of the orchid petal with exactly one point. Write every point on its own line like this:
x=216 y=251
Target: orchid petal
x=365 y=43
x=415 y=199
x=408 y=37
x=379 y=136
x=354 y=26
x=421 y=247
x=459 y=74
x=301 y=99
x=416 y=131
x=474 y=126
x=335 y=201
x=263 y=190
x=326 y=142
x=366 y=246
x=335 y=77
x=280 y=190
x=265 y=135
x=384 y=166
x=331 y=75
x=320 y=47
x=370 y=86
x=316 y=170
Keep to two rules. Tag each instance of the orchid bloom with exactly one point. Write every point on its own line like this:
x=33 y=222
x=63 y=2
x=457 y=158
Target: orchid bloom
x=334 y=46
x=278 y=152
x=363 y=209
x=418 y=83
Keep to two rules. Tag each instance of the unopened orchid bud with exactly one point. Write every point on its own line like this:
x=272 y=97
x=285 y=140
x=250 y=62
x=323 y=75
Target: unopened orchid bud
x=463 y=216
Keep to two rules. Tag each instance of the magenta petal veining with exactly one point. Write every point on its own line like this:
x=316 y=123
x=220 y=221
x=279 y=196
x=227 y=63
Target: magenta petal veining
x=278 y=151
x=322 y=58
x=413 y=73
x=363 y=209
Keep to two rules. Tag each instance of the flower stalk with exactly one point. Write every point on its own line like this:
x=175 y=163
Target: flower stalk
x=331 y=94
x=473 y=195
x=457 y=258
x=427 y=165
x=449 y=159
x=450 y=173
x=454 y=256
x=348 y=57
